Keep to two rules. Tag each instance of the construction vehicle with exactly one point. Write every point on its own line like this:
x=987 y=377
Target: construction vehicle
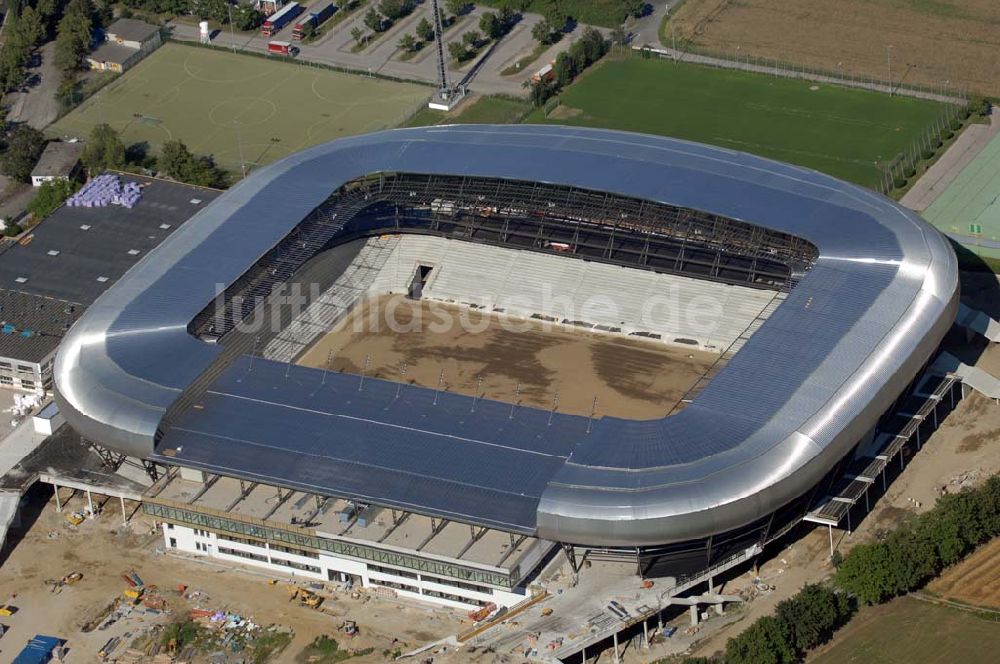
x=305 y=596
x=7 y=610
x=132 y=593
x=483 y=612
x=349 y=628
x=75 y=518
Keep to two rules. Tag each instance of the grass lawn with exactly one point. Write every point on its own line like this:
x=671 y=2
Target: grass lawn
x=483 y=110
x=908 y=631
x=210 y=98
x=838 y=131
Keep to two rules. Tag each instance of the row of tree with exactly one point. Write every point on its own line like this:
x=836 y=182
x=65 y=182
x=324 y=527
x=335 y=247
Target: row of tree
x=582 y=53
x=923 y=546
x=798 y=625
x=105 y=150
x=27 y=28
x=901 y=562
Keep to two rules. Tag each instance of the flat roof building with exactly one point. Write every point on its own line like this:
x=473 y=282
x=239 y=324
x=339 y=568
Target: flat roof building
x=60 y=160
x=56 y=271
x=126 y=42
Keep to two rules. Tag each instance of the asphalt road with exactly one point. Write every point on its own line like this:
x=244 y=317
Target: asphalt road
x=382 y=56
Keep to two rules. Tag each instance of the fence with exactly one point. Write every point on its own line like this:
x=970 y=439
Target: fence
x=242 y=50
x=895 y=172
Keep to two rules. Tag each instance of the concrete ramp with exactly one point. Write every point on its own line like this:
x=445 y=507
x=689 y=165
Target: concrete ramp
x=978 y=322
x=985 y=383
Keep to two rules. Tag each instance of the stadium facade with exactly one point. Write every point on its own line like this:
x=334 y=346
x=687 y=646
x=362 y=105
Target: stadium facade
x=863 y=293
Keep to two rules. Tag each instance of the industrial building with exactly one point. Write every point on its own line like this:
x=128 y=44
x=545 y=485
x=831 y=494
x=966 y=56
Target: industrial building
x=65 y=263
x=832 y=301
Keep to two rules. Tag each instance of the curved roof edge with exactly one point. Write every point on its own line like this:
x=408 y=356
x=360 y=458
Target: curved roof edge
x=804 y=389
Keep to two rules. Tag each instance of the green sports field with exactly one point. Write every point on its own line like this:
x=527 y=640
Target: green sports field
x=210 y=98
x=839 y=131
x=969 y=209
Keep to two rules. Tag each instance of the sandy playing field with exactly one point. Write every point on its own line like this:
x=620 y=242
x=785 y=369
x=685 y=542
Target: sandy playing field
x=633 y=378
x=945 y=45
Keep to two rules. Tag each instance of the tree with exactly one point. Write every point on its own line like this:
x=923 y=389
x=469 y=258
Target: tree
x=396 y=9
x=24 y=147
x=471 y=38
x=544 y=33
x=457 y=7
x=766 y=641
x=247 y=17
x=813 y=615
x=73 y=36
x=217 y=10
x=374 y=20
x=30 y=28
x=178 y=162
x=407 y=42
x=491 y=26
x=458 y=51
x=979 y=106
x=104 y=150
x=175 y=158
x=357 y=33
x=50 y=196
x=425 y=31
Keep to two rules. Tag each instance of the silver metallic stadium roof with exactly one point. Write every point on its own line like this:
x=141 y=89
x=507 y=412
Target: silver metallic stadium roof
x=796 y=398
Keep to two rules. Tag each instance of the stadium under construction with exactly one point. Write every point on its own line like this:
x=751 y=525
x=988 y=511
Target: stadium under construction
x=828 y=303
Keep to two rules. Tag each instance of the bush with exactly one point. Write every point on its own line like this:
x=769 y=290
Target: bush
x=979 y=106
x=11 y=229
x=50 y=196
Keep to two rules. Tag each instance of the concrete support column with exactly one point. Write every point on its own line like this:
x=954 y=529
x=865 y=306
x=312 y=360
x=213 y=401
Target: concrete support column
x=720 y=609
x=830 y=530
x=58 y=504
x=693 y=610
x=617 y=659
x=124 y=514
x=90 y=504
x=645 y=633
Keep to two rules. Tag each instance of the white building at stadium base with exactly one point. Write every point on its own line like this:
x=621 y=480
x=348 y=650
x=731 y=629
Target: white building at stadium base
x=833 y=298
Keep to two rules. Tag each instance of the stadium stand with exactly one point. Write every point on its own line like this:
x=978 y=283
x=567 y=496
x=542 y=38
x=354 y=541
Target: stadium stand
x=673 y=308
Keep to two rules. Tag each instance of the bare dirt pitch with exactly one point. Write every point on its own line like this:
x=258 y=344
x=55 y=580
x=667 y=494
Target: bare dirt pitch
x=957 y=41
x=633 y=378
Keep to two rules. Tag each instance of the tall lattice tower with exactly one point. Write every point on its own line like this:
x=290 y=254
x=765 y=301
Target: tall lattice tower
x=444 y=89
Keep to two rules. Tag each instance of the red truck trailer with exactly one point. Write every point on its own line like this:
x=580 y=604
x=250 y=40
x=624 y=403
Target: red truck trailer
x=279 y=19
x=279 y=48
x=315 y=19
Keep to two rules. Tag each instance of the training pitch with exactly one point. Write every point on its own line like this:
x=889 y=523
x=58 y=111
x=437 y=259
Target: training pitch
x=217 y=101
x=843 y=132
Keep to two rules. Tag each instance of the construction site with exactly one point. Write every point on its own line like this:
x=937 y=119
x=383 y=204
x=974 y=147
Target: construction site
x=496 y=409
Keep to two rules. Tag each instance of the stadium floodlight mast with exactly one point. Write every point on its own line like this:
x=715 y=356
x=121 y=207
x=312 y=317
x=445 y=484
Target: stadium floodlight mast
x=444 y=88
